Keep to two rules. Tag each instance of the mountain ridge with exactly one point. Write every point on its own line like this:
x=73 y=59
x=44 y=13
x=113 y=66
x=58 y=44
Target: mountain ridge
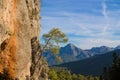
x=70 y=52
x=91 y=66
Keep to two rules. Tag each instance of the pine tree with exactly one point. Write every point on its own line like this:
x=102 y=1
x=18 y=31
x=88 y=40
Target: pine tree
x=115 y=69
x=105 y=73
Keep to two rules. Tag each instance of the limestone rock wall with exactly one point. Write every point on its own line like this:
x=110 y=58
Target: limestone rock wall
x=8 y=36
x=19 y=23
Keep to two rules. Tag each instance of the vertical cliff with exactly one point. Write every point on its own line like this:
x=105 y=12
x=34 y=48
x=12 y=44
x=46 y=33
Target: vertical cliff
x=19 y=24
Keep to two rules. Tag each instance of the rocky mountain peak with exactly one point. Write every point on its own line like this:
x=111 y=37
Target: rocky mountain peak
x=101 y=49
x=70 y=44
x=70 y=49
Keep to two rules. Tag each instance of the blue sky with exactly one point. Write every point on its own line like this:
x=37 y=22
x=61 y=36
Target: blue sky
x=87 y=23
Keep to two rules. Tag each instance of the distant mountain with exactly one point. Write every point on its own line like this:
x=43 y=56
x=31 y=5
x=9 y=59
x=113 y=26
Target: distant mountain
x=118 y=47
x=50 y=58
x=70 y=52
x=101 y=49
x=91 y=66
x=70 y=49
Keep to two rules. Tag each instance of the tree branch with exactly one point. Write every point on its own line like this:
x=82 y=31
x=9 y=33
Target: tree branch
x=46 y=44
x=41 y=51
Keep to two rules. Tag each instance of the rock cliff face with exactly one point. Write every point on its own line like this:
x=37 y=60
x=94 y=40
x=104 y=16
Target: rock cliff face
x=19 y=24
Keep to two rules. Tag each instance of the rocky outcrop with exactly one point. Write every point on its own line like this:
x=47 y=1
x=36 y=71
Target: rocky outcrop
x=19 y=23
x=39 y=65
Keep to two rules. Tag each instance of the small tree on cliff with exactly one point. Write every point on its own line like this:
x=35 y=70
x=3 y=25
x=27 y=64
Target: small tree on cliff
x=52 y=41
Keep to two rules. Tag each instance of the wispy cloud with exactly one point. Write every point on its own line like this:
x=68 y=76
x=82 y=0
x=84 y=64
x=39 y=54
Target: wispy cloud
x=91 y=42
x=105 y=14
x=87 y=23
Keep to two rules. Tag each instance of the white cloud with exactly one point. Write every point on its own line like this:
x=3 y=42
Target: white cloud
x=105 y=14
x=99 y=29
x=90 y=42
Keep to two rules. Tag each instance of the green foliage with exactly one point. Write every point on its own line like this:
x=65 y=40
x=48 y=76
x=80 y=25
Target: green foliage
x=74 y=76
x=105 y=75
x=80 y=77
x=55 y=50
x=58 y=58
x=53 y=74
x=113 y=73
x=90 y=78
x=61 y=74
x=64 y=74
x=96 y=78
x=55 y=36
x=52 y=40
